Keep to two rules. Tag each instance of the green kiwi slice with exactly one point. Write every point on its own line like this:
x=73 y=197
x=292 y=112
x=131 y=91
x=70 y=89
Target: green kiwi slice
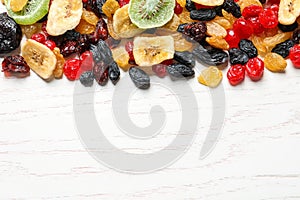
x=31 y=13
x=151 y=13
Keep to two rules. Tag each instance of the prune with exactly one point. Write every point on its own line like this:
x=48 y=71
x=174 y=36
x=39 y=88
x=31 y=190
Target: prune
x=237 y=56
x=10 y=34
x=114 y=72
x=190 y=5
x=177 y=71
x=248 y=47
x=101 y=32
x=180 y=28
x=15 y=66
x=195 y=31
x=210 y=56
x=95 y=6
x=203 y=14
x=233 y=8
x=101 y=52
x=100 y=71
x=283 y=48
x=185 y=57
x=87 y=78
x=296 y=36
x=140 y=78
x=288 y=28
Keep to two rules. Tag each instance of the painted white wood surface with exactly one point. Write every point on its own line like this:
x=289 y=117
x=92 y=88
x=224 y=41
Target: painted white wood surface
x=41 y=156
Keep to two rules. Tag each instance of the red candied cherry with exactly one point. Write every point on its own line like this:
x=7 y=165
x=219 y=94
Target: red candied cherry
x=50 y=44
x=178 y=9
x=256 y=25
x=252 y=11
x=87 y=61
x=295 y=55
x=268 y=18
x=44 y=24
x=236 y=74
x=255 y=68
x=275 y=8
x=243 y=28
x=123 y=2
x=39 y=37
x=160 y=70
x=129 y=49
x=232 y=38
x=72 y=69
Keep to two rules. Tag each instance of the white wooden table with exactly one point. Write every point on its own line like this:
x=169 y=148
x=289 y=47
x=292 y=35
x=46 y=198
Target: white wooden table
x=42 y=157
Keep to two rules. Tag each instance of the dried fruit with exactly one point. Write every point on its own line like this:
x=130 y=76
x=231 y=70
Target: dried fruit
x=39 y=37
x=203 y=14
x=179 y=71
x=289 y=10
x=258 y=43
x=223 y=22
x=185 y=57
x=245 y=3
x=29 y=30
x=85 y=28
x=237 y=56
x=295 y=55
x=100 y=71
x=184 y=17
x=274 y=62
x=60 y=61
x=209 y=2
x=140 y=78
x=72 y=69
x=210 y=77
x=160 y=70
x=17 y=5
x=195 y=31
x=232 y=38
x=271 y=42
x=121 y=57
x=268 y=18
x=215 y=29
x=15 y=66
x=283 y=48
x=248 y=47
x=90 y=17
x=288 y=28
x=242 y=28
x=232 y=7
x=236 y=74
x=296 y=36
x=109 y=8
x=211 y=56
x=217 y=42
x=173 y=23
x=87 y=78
x=114 y=72
x=87 y=61
x=255 y=68
x=178 y=8
x=94 y=5
x=102 y=53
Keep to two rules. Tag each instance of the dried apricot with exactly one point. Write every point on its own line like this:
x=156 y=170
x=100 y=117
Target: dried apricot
x=210 y=77
x=274 y=62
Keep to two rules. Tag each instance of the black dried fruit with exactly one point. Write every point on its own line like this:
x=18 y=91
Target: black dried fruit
x=83 y=43
x=101 y=52
x=15 y=66
x=190 y=5
x=237 y=56
x=195 y=31
x=68 y=48
x=203 y=14
x=185 y=57
x=87 y=78
x=210 y=56
x=114 y=72
x=10 y=34
x=262 y=1
x=100 y=71
x=296 y=36
x=140 y=78
x=180 y=28
x=218 y=10
x=288 y=28
x=248 y=47
x=231 y=7
x=178 y=71
x=283 y=48
x=95 y=6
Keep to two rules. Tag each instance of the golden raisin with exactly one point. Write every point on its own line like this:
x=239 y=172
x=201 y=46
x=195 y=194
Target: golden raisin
x=217 y=42
x=173 y=23
x=185 y=17
x=210 y=77
x=89 y=17
x=182 y=3
x=29 y=30
x=245 y=3
x=109 y=8
x=121 y=57
x=271 y=42
x=85 y=28
x=258 y=43
x=229 y=17
x=223 y=22
x=274 y=62
x=111 y=30
x=215 y=29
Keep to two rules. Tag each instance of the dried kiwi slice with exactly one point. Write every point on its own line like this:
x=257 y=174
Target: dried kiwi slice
x=31 y=13
x=151 y=13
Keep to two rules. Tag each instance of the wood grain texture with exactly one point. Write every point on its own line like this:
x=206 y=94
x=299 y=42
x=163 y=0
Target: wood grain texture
x=41 y=155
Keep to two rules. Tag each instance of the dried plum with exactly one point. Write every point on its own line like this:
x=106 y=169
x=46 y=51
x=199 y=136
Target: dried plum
x=203 y=14
x=114 y=72
x=178 y=71
x=15 y=66
x=211 y=56
x=10 y=34
x=248 y=47
x=87 y=78
x=185 y=57
x=140 y=78
x=237 y=56
x=101 y=52
x=232 y=7
x=283 y=48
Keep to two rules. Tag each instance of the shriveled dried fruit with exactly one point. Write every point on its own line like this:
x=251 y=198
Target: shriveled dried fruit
x=121 y=57
x=15 y=66
x=109 y=8
x=271 y=42
x=140 y=78
x=29 y=30
x=214 y=29
x=217 y=42
x=223 y=22
x=87 y=78
x=248 y=47
x=211 y=56
x=85 y=28
x=100 y=71
x=113 y=72
x=203 y=14
x=246 y=3
x=185 y=57
x=58 y=71
x=90 y=17
x=275 y=62
x=228 y=16
x=173 y=23
x=179 y=71
x=283 y=48
x=232 y=7
x=210 y=77
x=185 y=17
x=258 y=43
x=237 y=56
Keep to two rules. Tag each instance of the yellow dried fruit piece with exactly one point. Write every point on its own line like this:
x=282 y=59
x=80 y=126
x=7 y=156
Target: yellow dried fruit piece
x=17 y=5
x=85 y=28
x=223 y=22
x=29 y=30
x=58 y=71
x=271 y=42
x=121 y=57
x=185 y=17
x=217 y=42
x=173 y=23
x=258 y=43
x=245 y=3
x=274 y=62
x=210 y=77
x=182 y=3
x=215 y=29
x=90 y=17
x=109 y=8
x=111 y=30
x=229 y=17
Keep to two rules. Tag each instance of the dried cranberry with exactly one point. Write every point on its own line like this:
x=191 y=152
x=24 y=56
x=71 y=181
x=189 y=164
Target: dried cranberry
x=236 y=74
x=255 y=68
x=15 y=66
x=50 y=44
x=160 y=70
x=268 y=18
x=129 y=49
x=101 y=32
x=256 y=25
x=295 y=55
x=243 y=28
x=44 y=24
x=72 y=69
x=68 y=48
x=252 y=11
x=87 y=61
x=39 y=37
x=100 y=71
x=178 y=9
x=123 y=2
x=232 y=38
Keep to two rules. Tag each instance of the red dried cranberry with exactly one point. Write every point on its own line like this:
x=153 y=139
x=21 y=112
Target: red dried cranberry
x=268 y=18
x=44 y=24
x=129 y=49
x=15 y=66
x=236 y=74
x=252 y=11
x=255 y=68
x=243 y=28
x=232 y=38
x=167 y=62
x=160 y=70
x=295 y=55
x=123 y=2
x=50 y=44
x=178 y=9
x=72 y=69
x=39 y=37
x=257 y=27
x=101 y=32
x=68 y=48
x=87 y=61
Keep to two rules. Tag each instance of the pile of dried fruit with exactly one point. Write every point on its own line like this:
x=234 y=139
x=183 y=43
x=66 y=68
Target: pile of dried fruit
x=91 y=39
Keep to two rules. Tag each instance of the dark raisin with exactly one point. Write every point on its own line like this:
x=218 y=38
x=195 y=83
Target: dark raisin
x=237 y=56
x=180 y=28
x=70 y=35
x=114 y=72
x=10 y=34
x=210 y=56
x=288 y=28
x=283 y=48
x=101 y=32
x=68 y=48
x=248 y=47
x=100 y=71
x=218 y=10
x=140 y=78
x=101 y=52
x=15 y=66
x=296 y=36
x=95 y=6
x=195 y=31
x=178 y=71
x=87 y=78
x=190 y=5
x=232 y=7
x=262 y=1
x=203 y=14
x=83 y=43
x=185 y=57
